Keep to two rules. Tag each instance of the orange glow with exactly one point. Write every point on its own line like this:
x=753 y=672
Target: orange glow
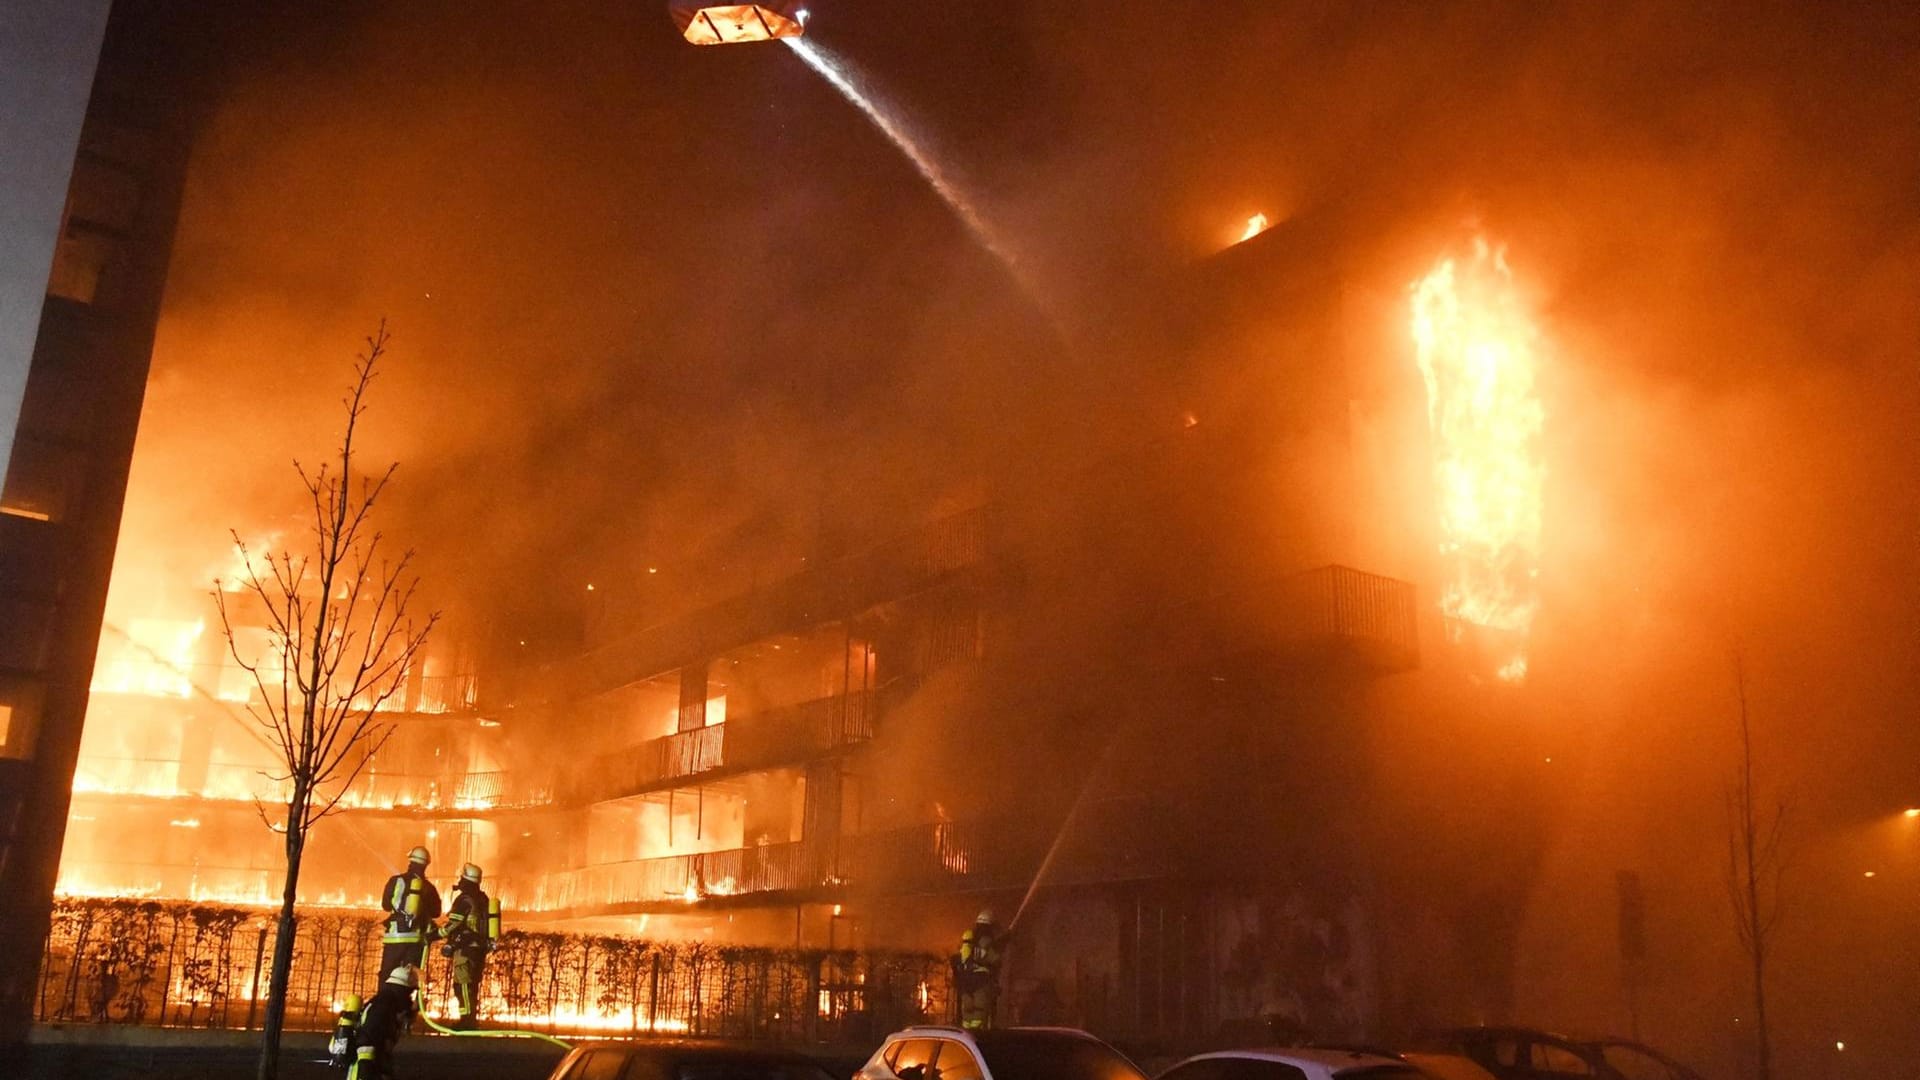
x=1479 y=353
x=1256 y=225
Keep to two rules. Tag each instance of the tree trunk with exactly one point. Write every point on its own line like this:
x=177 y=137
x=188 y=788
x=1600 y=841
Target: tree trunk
x=276 y=1015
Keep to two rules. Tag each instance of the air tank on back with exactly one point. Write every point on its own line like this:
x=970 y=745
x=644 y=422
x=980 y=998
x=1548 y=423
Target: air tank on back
x=728 y=24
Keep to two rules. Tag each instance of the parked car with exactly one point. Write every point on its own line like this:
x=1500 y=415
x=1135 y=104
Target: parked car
x=682 y=1061
x=951 y=1053
x=1513 y=1053
x=1299 y=1064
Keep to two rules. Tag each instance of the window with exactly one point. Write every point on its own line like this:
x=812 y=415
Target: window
x=913 y=1058
x=1046 y=1055
x=599 y=1065
x=43 y=479
x=1560 y=1061
x=1236 y=1069
x=956 y=1062
x=575 y=1066
x=740 y=1069
x=19 y=717
x=1636 y=1064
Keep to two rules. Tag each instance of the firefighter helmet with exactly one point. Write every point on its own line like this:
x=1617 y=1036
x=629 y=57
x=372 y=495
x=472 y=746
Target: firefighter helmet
x=470 y=872
x=986 y=916
x=351 y=1004
x=404 y=975
x=419 y=855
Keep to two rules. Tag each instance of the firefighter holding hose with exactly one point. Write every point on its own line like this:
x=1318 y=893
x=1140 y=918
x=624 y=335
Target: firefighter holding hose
x=976 y=973
x=412 y=904
x=473 y=925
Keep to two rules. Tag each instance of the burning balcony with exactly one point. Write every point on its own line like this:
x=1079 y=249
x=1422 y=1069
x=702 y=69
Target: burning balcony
x=1332 y=620
x=936 y=553
x=780 y=737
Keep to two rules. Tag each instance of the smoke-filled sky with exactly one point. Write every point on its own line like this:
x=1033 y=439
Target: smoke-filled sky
x=656 y=305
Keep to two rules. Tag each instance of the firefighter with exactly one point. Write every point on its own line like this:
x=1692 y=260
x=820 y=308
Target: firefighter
x=976 y=973
x=473 y=923
x=412 y=904
x=345 y=1026
x=387 y=1018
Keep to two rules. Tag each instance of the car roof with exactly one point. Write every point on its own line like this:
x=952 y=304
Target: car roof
x=1332 y=1059
x=947 y=1031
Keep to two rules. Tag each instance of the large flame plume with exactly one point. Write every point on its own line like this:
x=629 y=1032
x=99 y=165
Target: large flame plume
x=1479 y=352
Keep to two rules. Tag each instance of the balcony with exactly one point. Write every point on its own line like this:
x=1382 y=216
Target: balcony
x=663 y=883
x=1332 y=619
x=764 y=740
x=1362 y=618
x=833 y=590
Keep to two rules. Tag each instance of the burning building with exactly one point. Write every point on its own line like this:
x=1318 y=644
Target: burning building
x=865 y=749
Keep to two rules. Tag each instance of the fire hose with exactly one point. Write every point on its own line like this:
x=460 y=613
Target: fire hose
x=420 y=999
x=495 y=1034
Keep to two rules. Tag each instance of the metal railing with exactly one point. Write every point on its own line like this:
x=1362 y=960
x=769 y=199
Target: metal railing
x=673 y=878
x=185 y=965
x=1368 y=614
x=763 y=740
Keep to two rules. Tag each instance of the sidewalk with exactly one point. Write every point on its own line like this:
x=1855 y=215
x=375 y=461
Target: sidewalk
x=125 y=1052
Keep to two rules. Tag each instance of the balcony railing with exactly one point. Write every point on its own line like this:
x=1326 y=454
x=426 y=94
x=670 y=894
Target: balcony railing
x=766 y=868
x=763 y=740
x=1369 y=614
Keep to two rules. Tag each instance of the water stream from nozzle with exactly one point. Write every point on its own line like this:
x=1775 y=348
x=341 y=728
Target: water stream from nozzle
x=839 y=75
x=1060 y=836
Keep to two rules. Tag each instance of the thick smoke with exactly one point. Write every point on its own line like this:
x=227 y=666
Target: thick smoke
x=679 y=309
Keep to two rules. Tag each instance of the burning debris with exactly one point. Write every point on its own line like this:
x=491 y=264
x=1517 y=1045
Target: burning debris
x=1479 y=353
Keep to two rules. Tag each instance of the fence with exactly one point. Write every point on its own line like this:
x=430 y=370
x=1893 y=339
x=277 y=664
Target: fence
x=185 y=965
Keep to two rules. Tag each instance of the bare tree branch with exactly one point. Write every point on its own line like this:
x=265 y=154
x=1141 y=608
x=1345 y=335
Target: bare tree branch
x=341 y=640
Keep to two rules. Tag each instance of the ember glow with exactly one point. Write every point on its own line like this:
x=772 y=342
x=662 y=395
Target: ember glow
x=1256 y=225
x=1479 y=352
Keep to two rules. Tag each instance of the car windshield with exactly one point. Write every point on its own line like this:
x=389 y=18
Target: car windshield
x=1043 y=1055
x=1634 y=1063
x=749 y=1069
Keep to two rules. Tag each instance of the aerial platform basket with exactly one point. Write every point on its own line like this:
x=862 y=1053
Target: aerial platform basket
x=728 y=24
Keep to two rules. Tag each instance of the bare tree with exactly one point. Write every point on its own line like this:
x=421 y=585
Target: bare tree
x=1756 y=858
x=341 y=636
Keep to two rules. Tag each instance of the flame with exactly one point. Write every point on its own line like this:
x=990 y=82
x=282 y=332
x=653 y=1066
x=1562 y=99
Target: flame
x=1479 y=353
x=152 y=657
x=569 y=1018
x=1256 y=225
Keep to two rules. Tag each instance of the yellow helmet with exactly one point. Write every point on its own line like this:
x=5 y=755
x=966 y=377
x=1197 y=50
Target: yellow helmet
x=352 y=1004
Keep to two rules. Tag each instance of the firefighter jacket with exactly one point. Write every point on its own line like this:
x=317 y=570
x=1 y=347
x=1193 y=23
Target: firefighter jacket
x=979 y=951
x=411 y=903
x=467 y=929
x=386 y=1019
